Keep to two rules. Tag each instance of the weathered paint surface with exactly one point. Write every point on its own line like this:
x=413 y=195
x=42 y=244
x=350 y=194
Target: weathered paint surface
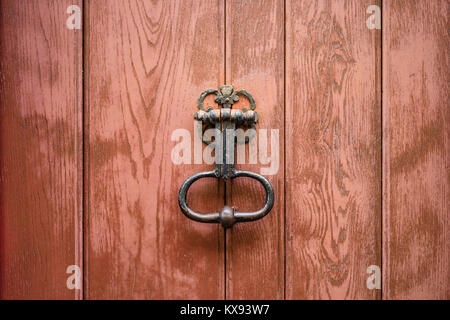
x=363 y=172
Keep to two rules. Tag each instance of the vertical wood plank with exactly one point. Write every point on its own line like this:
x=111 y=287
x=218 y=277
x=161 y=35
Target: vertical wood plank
x=147 y=63
x=416 y=245
x=41 y=158
x=255 y=62
x=333 y=149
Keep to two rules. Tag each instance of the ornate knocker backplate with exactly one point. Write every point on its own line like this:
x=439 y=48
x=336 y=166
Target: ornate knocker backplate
x=225 y=120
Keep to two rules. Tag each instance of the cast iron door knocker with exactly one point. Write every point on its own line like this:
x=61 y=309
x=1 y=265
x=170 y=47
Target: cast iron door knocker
x=225 y=120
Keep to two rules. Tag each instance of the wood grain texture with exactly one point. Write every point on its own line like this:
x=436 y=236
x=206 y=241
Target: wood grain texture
x=147 y=63
x=255 y=62
x=333 y=150
x=40 y=159
x=348 y=156
x=416 y=244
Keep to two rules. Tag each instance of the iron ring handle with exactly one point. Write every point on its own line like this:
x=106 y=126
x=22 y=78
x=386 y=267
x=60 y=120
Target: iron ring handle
x=227 y=216
x=188 y=212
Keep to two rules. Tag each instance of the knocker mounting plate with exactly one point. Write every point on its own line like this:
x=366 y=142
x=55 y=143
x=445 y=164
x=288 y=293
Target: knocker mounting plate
x=225 y=121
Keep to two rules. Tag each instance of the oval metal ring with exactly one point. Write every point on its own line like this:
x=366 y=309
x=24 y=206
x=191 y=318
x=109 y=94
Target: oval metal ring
x=188 y=212
x=270 y=198
x=227 y=216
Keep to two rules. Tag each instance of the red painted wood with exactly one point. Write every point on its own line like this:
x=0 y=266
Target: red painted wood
x=416 y=211
x=147 y=63
x=350 y=156
x=40 y=157
x=254 y=61
x=333 y=150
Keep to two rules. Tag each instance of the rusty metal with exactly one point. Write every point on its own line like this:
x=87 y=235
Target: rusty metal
x=225 y=120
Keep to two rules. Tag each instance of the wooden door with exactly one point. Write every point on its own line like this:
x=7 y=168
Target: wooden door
x=89 y=190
